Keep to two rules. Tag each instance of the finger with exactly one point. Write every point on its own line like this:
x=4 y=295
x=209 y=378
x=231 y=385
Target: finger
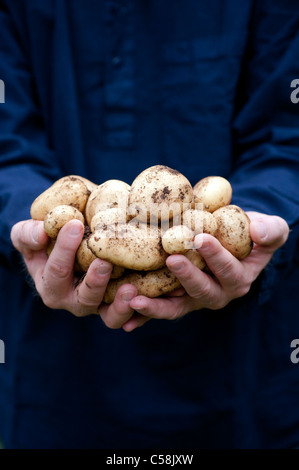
x=177 y=292
x=89 y=294
x=120 y=311
x=269 y=231
x=136 y=321
x=196 y=283
x=169 y=308
x=30 y=239
x=227 y=269
x=29 y=235
x=58 y=276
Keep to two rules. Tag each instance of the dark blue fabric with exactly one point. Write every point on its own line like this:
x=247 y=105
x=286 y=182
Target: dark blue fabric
x=105 y=89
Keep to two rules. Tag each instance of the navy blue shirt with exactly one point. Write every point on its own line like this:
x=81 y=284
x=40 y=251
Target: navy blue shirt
x=105 y=89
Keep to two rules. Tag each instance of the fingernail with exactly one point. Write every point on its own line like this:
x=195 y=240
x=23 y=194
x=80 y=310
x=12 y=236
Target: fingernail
x=103 y=269
x=177 y=266
x=75 y=230
x=140 y=309
x=199 y=241
x=127 y=296
x=261 y=229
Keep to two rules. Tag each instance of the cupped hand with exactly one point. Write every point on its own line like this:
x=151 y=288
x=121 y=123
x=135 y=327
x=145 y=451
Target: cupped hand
x=229 y=279
x=54 y=276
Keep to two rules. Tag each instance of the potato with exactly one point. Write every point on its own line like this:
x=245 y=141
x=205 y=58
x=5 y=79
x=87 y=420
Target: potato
x=159 y=193
x=212 y=192
x=137 y=227
x=117 y=272
x=233 y=230
x=199 y=221
x=151 y=284
x=112 y=193
x=177 y=239
x=69 y=190
x=195 y=257
x=133 y=246
x=58 y=217
x=84 y=256
x=113 y=216
x=89 y=184
x=50 y=246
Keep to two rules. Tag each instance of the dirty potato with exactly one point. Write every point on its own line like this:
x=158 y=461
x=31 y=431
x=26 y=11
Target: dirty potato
x=177 y=239
x=110 y=194
x=151 y=284
x=233 y=230
x=133 y=246
x=199 y=221
x=68 y=190
x=159 y=193
x=212 y=192
x=58 y=217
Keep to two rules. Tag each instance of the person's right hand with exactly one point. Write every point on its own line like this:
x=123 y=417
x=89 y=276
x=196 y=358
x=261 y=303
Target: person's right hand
x=54 y=275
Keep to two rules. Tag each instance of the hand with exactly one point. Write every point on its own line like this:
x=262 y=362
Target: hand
x=230 y=278
x=54 y=276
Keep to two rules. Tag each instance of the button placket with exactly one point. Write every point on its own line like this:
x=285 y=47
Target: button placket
x=119 y=90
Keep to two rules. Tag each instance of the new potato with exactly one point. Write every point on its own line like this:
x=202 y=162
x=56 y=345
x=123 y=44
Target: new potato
x=178 y=239
x=137 y=227
x=159 y=193
x=212 y=192
x=233 y=230
x=110 y=216
x=151 y=284
x=84 y=258
x=133 y=246
x=110 y=194
x=58 y=217
x=69 y=190
x=199 y=221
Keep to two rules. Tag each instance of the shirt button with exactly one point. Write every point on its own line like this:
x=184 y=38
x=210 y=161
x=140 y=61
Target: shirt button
x=116 y=60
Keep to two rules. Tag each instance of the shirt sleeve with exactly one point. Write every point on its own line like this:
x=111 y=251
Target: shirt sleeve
x=27 y=163
x=266 y=125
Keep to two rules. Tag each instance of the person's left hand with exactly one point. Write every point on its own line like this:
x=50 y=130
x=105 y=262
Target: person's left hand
x=230 y=277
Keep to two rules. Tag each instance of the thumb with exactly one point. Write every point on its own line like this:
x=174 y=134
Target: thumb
x=29 y=235
x=269 y=231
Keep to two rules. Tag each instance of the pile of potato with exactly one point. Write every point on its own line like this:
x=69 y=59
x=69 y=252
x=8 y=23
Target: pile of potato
x=137 y=227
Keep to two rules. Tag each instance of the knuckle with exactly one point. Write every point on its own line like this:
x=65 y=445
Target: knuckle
x=219 y=304
x=240 y=284
x=58 y=269
x=84 y=301
x=188 y=274
x=204 y=291
x=201 y=291
x=243 y=290
x=78 y=313
x=178 y=312
x=225 y=269
x=48 y=296
x=49 y=301
x=111 y=323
